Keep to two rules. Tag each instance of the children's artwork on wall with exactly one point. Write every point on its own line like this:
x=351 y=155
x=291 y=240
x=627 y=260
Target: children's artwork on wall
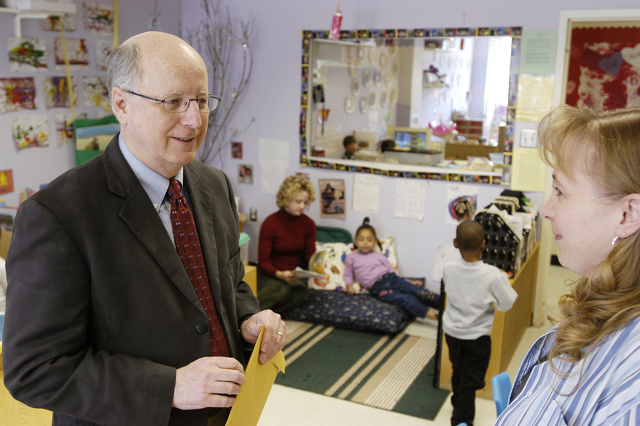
x=98 y=18
x=236 y=150
x=6 y=181
x=603 y=66
x=56 y=92
x=55 y=23
x=17 y=94
x=95 y=91
x=64 y=128
x=245 y=173
x=31 y=131
x=332 y=198
x=76 y=51
x=27 y=54
x=103 y=50
x=462 y=203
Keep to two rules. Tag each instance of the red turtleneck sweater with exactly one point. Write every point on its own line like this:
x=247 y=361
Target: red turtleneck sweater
x=286 y=241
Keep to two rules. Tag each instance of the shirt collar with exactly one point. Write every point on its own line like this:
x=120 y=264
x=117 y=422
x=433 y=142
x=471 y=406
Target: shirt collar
x=153 y=183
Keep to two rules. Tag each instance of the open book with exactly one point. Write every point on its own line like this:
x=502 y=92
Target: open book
x=303 y=273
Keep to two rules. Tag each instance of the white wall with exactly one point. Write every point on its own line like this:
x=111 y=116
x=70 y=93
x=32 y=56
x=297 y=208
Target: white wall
x=273 y=99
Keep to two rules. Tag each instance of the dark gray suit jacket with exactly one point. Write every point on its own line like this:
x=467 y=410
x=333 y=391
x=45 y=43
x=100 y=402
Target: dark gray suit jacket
x=100 y=309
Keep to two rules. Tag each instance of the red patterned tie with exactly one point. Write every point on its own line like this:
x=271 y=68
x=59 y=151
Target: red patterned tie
x=188 y=246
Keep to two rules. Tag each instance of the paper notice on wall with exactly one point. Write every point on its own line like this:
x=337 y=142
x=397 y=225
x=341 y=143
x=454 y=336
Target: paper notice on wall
x=529 y=172
x=274 y=161
x=410 y=198
x=538 y=55
x=535 y=97
x=366 y=193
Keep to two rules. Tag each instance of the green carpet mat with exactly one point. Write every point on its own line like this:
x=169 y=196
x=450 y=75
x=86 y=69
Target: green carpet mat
x=390 y=372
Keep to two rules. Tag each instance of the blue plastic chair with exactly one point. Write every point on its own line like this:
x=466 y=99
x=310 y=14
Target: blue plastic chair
x=501 y=385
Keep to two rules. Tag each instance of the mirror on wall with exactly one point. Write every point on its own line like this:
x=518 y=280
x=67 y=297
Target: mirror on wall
x=422 y=103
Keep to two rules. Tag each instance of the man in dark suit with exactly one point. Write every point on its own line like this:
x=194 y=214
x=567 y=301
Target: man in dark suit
x=103 y=324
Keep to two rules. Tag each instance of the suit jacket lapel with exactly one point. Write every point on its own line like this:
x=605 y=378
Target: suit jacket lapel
x=138 y=213
x=202 y=206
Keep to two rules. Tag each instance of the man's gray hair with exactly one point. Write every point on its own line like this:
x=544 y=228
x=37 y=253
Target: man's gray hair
x=123 y=68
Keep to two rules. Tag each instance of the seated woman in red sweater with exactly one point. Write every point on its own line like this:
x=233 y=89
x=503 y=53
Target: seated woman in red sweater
x=287 y=240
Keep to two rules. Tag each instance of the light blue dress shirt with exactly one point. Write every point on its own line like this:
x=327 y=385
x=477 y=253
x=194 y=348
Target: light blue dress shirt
x=154 y=184
x=603 y=388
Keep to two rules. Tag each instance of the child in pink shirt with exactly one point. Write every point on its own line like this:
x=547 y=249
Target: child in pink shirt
x=374 y=272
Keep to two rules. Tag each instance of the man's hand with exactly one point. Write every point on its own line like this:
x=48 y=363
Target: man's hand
x=208 y=382
x=275 y=333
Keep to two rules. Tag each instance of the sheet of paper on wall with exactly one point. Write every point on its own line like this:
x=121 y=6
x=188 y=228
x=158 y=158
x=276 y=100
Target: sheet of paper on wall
x=410 y=198
x=273 y=156
x=254 y=393
x=529 y=172
x=538 y=54
x=462 y=202
x=535 y=97
x=366 y=193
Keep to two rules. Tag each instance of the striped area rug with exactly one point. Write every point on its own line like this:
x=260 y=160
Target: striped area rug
x=390 y=372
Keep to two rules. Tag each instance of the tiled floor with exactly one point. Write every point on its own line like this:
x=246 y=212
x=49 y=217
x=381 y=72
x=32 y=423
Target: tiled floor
x=291 y=407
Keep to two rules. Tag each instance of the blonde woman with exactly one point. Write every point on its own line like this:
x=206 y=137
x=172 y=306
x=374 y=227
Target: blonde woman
x=287 y=240
x=586 y=370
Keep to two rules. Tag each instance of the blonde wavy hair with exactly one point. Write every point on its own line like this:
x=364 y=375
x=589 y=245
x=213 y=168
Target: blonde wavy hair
x=291 y=186
x=606 y=145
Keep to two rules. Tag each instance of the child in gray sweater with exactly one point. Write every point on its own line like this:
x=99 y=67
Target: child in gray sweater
x=473 y=288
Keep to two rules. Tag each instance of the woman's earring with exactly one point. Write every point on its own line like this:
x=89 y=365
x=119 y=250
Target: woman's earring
x=613 y=242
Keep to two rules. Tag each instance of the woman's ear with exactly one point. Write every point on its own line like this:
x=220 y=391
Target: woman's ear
x=119 y=101
x=631 y=220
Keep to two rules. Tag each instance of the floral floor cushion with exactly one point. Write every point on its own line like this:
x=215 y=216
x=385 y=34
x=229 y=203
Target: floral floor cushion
x=358 y=312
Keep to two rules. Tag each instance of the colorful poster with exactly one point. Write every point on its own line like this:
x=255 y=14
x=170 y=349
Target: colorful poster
x=76 y=51
x=6 y=181
x=462 y=203
x=64 y=128
x=603 y=71
x=96 y=92
x=56 y=23
x=103 y=50
x=245 y=173
x=98 y=18
x=27 y=54
x=31 y=131
x=56 y=92
x=332 y=198
x=17 y=94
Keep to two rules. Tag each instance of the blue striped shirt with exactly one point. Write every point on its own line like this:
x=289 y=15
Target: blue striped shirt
x=603 y=388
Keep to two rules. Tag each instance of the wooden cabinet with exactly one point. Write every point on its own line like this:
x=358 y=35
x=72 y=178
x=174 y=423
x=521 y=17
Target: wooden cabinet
x=251 y=278
x=470 y=129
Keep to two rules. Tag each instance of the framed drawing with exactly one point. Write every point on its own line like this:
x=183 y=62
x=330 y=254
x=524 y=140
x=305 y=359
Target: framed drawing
x=598 y=59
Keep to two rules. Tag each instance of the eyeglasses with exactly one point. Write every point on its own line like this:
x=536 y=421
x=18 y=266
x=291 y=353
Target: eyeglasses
x=206 y=103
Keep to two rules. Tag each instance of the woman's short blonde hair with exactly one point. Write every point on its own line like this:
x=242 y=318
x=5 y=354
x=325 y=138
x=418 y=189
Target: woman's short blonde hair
x=606 y=147
x=291 y=186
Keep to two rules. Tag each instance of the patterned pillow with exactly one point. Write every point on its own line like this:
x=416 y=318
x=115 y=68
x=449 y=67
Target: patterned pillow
x=329 y=260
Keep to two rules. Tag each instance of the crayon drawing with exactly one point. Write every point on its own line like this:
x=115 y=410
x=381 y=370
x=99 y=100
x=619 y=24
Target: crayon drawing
x=54 y=23
x=98 y=18
x=64 y=128
x=95 y=91
x=27 y=54
x=17 y=94
x=30 y=131
x=103 y=50
x=76 y=51
x=56 y=92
